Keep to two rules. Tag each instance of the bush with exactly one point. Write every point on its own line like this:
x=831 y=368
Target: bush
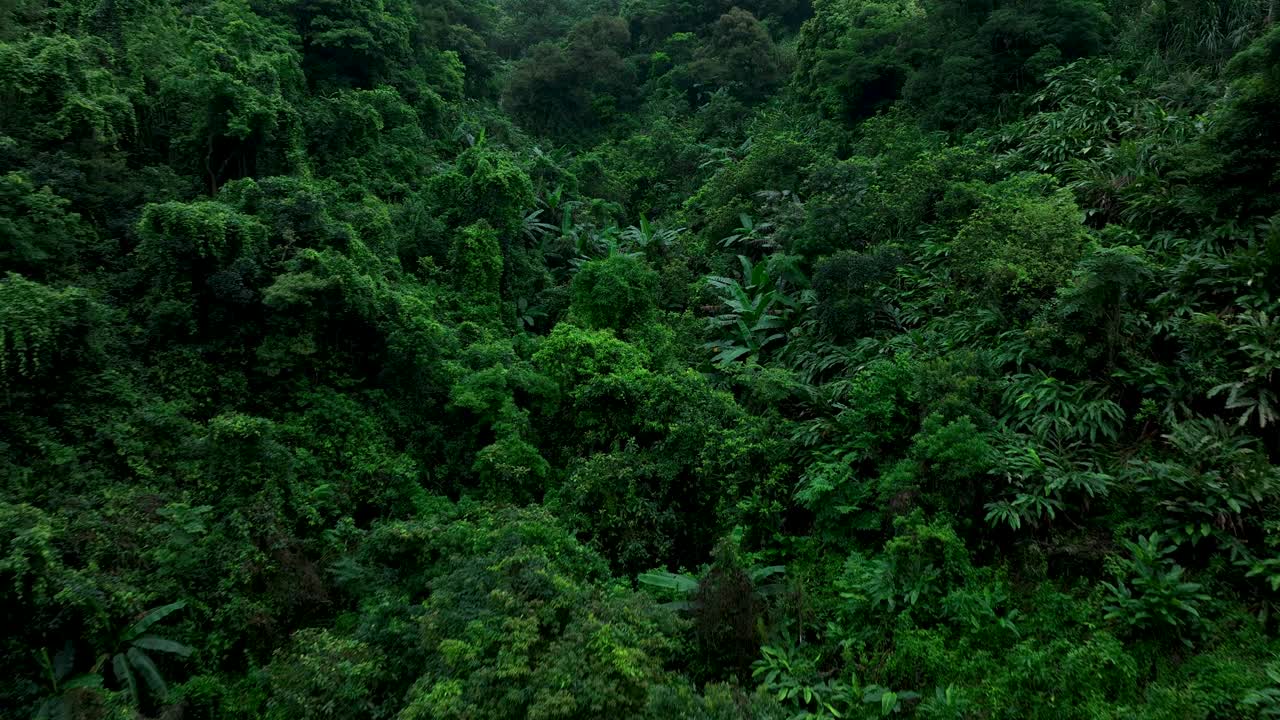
x=848 y=285
x=476 y=262
x=616 y=292
x=1021 y=243
x=322 y=676
x=516 y=627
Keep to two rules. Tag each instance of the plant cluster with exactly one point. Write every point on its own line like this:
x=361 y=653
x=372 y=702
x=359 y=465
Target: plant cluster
x=572 y=359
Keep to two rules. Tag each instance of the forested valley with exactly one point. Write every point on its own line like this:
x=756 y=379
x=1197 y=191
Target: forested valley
x=577 y=359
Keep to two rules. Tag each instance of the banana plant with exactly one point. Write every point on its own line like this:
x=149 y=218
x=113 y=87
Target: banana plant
x=687 y=586
x=529 y=313
x=598 y=244
x=534 y=227
x=675 y=583
x=131 y=659
x=61 y=683
x=750 y=232
x=758 y=312
x=553 y=200
x=648 y=238
x=721 y=157
x=463 y=134
x=559 y=244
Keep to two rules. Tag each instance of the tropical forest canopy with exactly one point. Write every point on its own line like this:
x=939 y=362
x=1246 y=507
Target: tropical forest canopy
x=560 y=359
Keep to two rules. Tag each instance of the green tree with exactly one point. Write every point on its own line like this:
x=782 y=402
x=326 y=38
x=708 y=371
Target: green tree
x=1019 y=243
x=1243 y=148
x=848 y=287
x=514 y=628
x=38 y=235
x=616 y=292
x=848 y=60
x=320 y=675
x=476 y=261
x=740 y=55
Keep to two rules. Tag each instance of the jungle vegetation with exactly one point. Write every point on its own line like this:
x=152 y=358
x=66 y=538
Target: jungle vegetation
x=713 y=359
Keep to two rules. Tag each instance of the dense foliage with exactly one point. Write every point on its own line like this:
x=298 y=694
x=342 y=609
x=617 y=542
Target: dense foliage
x=410 y=359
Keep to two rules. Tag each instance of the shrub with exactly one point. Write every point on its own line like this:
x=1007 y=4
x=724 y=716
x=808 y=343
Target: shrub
x=615 y=292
